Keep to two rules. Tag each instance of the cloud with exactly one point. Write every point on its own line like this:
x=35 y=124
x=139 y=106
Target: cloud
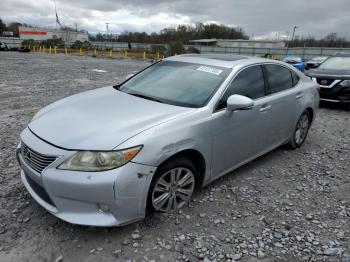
x=261 y=19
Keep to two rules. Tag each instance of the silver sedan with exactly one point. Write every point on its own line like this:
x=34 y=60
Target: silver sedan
x=104 y=156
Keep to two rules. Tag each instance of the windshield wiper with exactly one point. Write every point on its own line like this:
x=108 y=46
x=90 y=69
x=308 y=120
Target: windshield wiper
x=147 y=97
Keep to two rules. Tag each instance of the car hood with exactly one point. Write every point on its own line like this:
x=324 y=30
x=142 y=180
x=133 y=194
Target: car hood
x=100 y=119
x=329 y=73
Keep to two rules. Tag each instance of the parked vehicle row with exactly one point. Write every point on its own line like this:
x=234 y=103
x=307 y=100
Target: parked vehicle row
x=301 y=65
x=5 y=47
x=331 y=73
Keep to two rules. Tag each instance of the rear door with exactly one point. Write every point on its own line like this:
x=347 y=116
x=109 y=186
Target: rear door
x=283 y=99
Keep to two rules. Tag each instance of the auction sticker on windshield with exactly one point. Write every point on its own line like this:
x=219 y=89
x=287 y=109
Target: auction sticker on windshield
x=210 y=70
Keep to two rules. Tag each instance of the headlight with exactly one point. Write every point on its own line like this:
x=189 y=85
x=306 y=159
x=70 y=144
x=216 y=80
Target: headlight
x=345 y=83
x=99 y=161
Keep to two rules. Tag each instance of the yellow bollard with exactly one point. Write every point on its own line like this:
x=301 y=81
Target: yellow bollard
x=95 y=52
x=158 y=56
x=29 y=47
x=81 y=51
x=144 y=55
x=33 y=48
x=126 y=53
x=50 y=50
x=65 y=51
x=55 y=50
x=110 y=53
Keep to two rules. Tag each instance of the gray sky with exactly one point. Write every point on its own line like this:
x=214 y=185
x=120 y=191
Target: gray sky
x=259 y=18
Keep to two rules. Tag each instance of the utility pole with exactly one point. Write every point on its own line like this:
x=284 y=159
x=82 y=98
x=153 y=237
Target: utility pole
x=295 y=28
x=107 y=30
x=76 y=31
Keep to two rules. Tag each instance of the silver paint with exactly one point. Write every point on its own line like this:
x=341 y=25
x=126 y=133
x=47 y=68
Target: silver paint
x=106 y=119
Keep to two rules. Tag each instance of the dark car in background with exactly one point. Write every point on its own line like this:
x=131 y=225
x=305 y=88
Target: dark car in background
x=315 y=62
x=333 y=76
x=24 y=49
x=295 y=61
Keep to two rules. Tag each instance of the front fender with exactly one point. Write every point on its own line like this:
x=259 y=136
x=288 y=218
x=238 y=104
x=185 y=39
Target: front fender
x=163 y=141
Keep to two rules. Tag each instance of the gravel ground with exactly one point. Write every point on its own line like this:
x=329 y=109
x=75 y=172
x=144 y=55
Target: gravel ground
x=285 y=206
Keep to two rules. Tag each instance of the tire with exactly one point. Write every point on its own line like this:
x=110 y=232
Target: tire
x=172 y=185
x=301 y=130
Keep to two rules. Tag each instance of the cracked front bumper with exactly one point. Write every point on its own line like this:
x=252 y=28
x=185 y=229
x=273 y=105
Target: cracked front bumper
x=109 y=198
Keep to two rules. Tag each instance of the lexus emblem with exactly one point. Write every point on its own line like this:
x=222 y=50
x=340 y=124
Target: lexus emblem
x=324 y=82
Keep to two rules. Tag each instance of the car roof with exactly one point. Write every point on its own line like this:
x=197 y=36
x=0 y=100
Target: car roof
x=342 y=54
x=319 y=57
x=220 y=60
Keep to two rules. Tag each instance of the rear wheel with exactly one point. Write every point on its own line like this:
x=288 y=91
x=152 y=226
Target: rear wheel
x=301 y=130
x=173 y=185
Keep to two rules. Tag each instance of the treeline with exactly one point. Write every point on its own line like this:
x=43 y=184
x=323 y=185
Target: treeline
x=330 y=40
x=11 y=27
x=182 y=33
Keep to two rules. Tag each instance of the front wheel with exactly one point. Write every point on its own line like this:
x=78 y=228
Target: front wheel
x=301 y=130
x=173 y=185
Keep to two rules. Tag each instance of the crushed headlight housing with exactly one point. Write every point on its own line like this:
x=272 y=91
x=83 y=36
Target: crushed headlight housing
x=92 y=161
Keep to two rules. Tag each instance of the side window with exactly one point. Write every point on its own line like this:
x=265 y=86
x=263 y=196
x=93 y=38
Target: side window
x=279 y=78
x=249 y=82
x=295 y=78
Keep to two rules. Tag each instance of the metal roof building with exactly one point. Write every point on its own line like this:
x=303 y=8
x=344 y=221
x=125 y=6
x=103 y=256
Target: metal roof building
x=39 y=34
x=238 y=43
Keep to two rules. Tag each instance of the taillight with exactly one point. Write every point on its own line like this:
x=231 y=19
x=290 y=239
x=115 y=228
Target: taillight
x=318 y=88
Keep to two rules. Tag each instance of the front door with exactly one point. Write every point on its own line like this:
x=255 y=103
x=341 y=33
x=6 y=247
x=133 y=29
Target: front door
x=239 y=136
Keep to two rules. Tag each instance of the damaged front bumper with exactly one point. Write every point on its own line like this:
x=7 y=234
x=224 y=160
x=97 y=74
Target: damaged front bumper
x=110 y=198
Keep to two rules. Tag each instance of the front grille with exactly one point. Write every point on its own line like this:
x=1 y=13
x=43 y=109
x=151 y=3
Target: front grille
x=35 y=160
x=39 y=190
x=324 y=81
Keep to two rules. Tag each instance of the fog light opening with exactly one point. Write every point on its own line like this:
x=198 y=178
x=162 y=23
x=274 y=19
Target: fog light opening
x=103 y=208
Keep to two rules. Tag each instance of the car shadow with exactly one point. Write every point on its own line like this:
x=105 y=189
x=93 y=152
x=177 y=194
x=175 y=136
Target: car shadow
x=339 y=106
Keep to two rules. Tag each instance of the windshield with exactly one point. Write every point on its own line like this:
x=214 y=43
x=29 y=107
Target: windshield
x=340 y=63
x=177 y=83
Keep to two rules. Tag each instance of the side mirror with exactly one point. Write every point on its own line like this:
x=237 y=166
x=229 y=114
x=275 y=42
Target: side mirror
x=238 y=102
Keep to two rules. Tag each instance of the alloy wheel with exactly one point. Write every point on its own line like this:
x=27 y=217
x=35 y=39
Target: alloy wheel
x=173 y=189
x=302 y=129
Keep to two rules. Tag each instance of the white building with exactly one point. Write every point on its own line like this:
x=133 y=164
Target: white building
x=238 y=43
x=39 y=34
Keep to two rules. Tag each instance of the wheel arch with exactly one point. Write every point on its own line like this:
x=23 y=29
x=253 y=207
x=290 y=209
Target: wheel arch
x=196 y=158
x=311 y=112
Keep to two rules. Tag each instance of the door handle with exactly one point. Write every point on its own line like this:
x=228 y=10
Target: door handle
x=265 y=108
x=299 y=95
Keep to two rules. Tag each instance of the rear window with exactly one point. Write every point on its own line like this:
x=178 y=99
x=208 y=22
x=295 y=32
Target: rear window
x=279 y=78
